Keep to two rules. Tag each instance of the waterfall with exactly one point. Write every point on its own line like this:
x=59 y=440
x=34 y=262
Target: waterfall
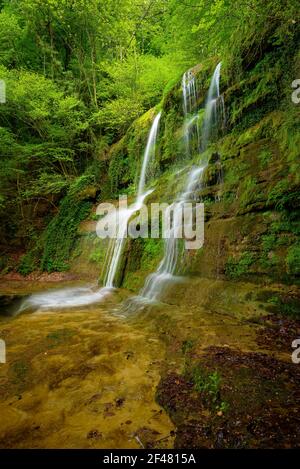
x=189 y=92
x=148 y=155
x=214 y=115
x=156 y=282
x=189 y=97
x=70 y=297
x=117 y=245
x=164 y=275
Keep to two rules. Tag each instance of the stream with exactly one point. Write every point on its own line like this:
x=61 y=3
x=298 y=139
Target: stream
x=88 y=376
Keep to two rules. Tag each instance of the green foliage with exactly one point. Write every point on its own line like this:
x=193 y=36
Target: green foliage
x=281 y=237
x=209 y=385
x=287 y=224
x=28 y=264
x=269 y=242
x=235 y=268
x=97 y=256
x=293 y=260
x=171 y=141
x=95 y=217
x=131 y=87
x=265 y=157
x=117 y=115
x=40 y=149
x=78 y=74
x=206 y=383
x=151 y=253
x=121 y=168
x=60 y=235
x=248 y=191
x=284 y=306
x=10 y=33
x=268 y=258
x=126 y=156
x=187 y=346
x=284 y=195
x=288 y=134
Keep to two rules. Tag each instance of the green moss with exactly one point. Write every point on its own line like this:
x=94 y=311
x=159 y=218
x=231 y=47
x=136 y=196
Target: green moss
x=234 y=170
x=98 y=256
x=209 y=386
x=126 y=155
x=285 y=306
x=95 y=217
x=293 y=260
x=153 y=249
x=171 y=140
x=60 y=235
x=264 y=157
x=269 y=242
x=248 y=191
x=19 y=371
x=268 y=258
x=120 y=171
x=187 y=345
x=266 y=127
x=28 y=263
x=171 y=86
x=58 y=337
x=142 y=258
x=284 y=195
x=289 y=223
x=288 y=138
x=236 y=268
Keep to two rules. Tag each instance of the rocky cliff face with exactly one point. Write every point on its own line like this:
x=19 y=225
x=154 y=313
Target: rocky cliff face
x=252 y=183
x=251 y=186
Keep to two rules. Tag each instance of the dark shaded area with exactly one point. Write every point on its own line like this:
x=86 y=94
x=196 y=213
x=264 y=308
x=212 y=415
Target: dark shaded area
x=278 y=332
x=259 y=394
x=9 y=304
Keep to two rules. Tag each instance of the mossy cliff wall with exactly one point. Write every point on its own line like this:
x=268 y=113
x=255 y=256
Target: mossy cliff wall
x=252 y=183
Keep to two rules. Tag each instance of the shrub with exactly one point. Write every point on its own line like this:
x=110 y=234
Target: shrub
x=235 y=268
x=60 y=235
x=27 y=264
x=293 y=260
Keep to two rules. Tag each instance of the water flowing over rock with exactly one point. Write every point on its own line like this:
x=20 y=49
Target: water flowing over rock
x=71 y=297
x=214 y=113
x=116 y=246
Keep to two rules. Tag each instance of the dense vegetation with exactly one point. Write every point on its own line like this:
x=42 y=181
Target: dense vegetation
x=80 y=74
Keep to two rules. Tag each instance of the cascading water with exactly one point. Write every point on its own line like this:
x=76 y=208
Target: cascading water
x=191 y=124
x=149 y=155
x=189 y=92
x=80 y=296
x=117 y=245
x=214 y=116
x=155 y=283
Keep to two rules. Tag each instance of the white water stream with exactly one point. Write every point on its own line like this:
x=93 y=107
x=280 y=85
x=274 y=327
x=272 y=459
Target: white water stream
x=80 y=296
